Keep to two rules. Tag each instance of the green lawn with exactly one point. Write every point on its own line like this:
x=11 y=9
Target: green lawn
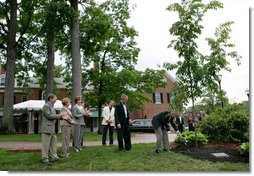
x=37 y=137
x=106 y=158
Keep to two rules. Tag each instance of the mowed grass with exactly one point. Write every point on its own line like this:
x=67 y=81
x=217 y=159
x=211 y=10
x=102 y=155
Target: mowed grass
x=37 y=137
x=108 y=158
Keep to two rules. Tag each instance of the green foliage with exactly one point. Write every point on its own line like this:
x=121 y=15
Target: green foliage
x=228 y=124
x=109 y=49
x=218 y=58
x=58 y=71
x=246 y=137
x=197 y=72
x=190 y=71
x=245 y=149
x=25 y=16
x=110 y=54
x=135 y=84
x=189 y=138
x=178 y=98
x=209 y=102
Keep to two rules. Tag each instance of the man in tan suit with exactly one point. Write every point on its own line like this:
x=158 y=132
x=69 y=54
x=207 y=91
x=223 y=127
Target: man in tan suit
x=108 y=122
x=49 y=140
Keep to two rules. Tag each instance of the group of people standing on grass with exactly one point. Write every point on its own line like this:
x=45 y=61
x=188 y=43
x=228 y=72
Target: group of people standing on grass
x=117 y=116
x=114 y=117
x=68 y=119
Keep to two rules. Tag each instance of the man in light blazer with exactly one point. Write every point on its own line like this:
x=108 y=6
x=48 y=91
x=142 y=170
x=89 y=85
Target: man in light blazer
x=108 y=122
x=123 y=121
x=49 y=139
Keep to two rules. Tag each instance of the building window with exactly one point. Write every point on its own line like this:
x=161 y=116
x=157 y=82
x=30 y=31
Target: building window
x=157 y=98
x=168 y=96
x=2 y=82
x=43 y=95
x=24 y=98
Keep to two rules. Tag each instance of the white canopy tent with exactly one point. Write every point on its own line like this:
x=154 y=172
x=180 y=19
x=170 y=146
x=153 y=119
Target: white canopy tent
x=35 y=105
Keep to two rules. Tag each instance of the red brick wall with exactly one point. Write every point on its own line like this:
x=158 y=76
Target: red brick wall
x=151 y=109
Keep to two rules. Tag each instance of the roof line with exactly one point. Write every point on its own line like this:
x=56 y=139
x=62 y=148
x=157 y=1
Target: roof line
x=169 y=77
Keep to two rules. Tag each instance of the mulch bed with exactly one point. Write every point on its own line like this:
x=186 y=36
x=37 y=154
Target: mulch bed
x=204 y=152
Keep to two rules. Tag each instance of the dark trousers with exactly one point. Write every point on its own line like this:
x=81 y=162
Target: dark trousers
x=124 y=134
x=105 y=129
x=180 y=128
x=191 y=127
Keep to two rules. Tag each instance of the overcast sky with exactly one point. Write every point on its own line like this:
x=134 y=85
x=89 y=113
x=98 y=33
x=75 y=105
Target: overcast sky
x=152 y=22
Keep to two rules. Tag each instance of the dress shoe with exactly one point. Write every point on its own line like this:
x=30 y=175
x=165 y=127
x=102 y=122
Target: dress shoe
x=157 y=151
x=76 y=150
x=46 y=161
x=55 y=158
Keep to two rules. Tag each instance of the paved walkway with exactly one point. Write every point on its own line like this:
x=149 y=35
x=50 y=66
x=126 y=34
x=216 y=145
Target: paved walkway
x=138 y=138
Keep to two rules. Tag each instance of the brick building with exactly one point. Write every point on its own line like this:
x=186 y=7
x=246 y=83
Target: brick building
x=160 y=101
x=28 y=121
x=36 y=92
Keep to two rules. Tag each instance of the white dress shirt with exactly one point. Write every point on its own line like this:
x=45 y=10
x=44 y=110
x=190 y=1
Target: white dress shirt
x=125 y=110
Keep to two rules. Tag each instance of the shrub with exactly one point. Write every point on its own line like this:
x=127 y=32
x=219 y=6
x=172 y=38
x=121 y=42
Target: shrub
x=245 y=149
x=246 y=137
x=188 y=138
x=228 y=125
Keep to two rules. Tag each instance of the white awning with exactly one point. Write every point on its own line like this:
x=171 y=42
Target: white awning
x=35 y=105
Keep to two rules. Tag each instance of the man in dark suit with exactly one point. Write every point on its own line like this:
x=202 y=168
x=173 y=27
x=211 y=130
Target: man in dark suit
x=160 y=124
x=180 y=122
x=123 y=121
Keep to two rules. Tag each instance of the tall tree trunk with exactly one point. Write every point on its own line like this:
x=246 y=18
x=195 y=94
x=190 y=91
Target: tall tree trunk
x=75 y=53
x=100 y=101
x=7 y=125
x=51 y=53
x=50 y=68
x=196 y=123
x=99 y=115
x=193 y=104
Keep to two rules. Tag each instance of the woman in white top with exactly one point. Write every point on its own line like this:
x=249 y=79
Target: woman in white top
x=108 y=122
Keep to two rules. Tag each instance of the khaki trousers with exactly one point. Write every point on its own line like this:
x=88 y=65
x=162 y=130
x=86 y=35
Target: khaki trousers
x=162 y=137
x=49 y=143
x=66 y=133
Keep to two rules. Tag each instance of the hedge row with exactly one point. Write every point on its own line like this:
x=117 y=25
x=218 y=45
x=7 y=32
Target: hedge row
x=227 y=125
